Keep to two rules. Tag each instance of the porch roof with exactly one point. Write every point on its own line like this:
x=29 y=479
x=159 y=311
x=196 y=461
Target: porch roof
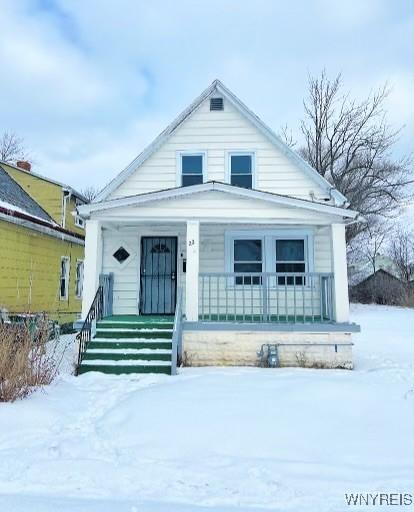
x=346 y=215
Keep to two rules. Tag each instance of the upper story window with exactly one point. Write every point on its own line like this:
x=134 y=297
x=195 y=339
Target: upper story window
x=64 y=278
x=242 y=169
x=192 y=169
x=79 y=279
x=79 y=221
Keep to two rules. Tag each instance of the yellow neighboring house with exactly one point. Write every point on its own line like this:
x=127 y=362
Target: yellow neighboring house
x=41 y=244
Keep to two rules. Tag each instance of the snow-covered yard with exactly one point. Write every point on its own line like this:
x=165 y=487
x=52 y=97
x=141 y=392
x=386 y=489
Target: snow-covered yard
x=219 y=439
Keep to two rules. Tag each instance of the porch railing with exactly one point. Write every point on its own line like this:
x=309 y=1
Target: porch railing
x=101 y=306
x=107 y=283
x=266 y=297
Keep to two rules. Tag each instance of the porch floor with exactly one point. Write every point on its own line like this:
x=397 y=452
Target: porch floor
x=280 y=319
x=139 y=318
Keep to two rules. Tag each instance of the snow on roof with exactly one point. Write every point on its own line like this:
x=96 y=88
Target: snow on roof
x=15 y=199
x=13 y=208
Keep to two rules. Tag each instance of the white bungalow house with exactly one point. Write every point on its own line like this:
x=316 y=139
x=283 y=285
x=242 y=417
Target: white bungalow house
x=218 y=244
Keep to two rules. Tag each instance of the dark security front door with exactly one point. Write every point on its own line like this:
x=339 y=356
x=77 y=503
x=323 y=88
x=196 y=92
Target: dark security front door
x=158 y=275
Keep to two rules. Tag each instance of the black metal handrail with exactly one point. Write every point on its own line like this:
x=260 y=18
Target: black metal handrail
x=95 y=313
x=176 y=352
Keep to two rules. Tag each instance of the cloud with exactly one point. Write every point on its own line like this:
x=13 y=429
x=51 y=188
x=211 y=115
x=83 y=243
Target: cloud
x=89 y=83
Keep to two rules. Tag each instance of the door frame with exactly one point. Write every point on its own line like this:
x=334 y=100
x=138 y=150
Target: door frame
x=177 y=266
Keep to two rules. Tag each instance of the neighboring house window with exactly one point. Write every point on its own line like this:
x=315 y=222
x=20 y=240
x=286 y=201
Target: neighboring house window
x=241 y=167
x=290 y=257
x=79 y=279
x=64 y=277
x=79 y=221
x=192 y=169
x=284 y=252
x=247 y=257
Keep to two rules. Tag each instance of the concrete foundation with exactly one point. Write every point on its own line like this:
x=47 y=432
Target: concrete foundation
x=239 y=348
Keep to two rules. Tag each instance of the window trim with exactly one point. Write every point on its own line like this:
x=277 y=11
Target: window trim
x=229 y=154
x=67 y=277
x=262 y=262
x=79 y=262
x=80 y=224
x=305 y=254
x=179 y=170
x=269 y=238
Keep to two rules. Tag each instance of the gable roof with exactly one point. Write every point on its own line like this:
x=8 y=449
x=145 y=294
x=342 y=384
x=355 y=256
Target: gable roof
x=177 y=192
x=218 y=87
x=381 y=272
x=14 y=198
x=49 y=180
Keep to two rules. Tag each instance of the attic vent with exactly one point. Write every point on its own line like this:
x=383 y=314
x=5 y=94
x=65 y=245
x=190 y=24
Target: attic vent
x=216 y=104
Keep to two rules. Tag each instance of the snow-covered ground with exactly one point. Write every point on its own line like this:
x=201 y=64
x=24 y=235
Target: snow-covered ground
x=219 y=439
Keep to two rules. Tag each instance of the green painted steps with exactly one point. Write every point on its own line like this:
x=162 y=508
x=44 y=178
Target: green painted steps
x=134 y=333
x=120 y=370
x=136 y=326
x=119 y=356
x=130 y=344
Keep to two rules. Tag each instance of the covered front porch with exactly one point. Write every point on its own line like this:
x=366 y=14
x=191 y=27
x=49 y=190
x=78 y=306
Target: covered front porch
x=151 y=265
x=231 y=265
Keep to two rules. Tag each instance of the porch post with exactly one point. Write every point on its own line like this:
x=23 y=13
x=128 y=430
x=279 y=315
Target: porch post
x=92 y=263
x=339 y=269
x=191 y=279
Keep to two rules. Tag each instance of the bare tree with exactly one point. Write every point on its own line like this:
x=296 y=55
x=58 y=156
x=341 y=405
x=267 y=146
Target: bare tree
x=402 y=253
x=350 y=143
x=286 y=135
x=370 y=244
x=90 y=193
x=12 y=148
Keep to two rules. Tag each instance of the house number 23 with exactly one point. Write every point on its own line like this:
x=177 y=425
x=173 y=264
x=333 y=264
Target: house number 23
x=191 y=243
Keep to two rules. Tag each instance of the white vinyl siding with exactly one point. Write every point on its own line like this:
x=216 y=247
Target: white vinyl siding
x=218 y=133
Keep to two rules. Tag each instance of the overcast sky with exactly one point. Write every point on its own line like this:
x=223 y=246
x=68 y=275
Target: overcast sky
x=88 y=83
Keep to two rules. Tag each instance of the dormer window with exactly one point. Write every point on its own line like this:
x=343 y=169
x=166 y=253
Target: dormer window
x=216 y=104
x=192 y=169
